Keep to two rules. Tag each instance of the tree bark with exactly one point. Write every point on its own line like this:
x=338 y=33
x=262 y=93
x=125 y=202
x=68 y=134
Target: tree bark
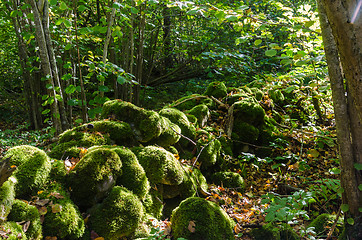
x=343 y=38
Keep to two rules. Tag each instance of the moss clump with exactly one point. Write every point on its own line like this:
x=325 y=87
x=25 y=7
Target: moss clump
x=188 y=102
x=118 y=215
x=22 y=211
x=216 y=89
x=179 y=118
x=201 y=112
x=58 y=171
x=33 y=168
x=325 y=221
x=193 y=182
x=84 y=138
x=12 y=231
x=237 y=97
x=62 y=218
x=249 y=110
x=266 y=232
x=210 y=221
x=146 y=124
x=170 y=134
x=153 y=203
x=160 y=165
x=277 y=96
x=210 y=151
x=7 y=197
x=229 y=180
x=66 y=150
x=245 y=131
x=94 y=175
x=259 y=95
x=133 y=175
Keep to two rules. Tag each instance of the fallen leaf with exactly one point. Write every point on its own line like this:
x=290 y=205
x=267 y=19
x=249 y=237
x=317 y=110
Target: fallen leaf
x=56 y=208
x=42 y=202
x=26 y=226
x=42 y=210
x=191 y=226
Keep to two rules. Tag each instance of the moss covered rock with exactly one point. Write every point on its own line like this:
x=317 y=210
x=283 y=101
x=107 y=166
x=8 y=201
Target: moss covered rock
x=58 y=171
x=179 y=118
x=7 y=197
x=205 y=219
x=33 y=168
x=277 y=96
x=93 y=176
x=216 y=89
x=118 y=215
x=259 y=95
x=229 y=180
x=246 y=132
x=145 y=124
x=12 y=231
x=188 y=102
x=22 y=211
x=287 y=232
x=266 y=232
x=248 y=110
x=210 y=148
x=240 y=95
x=169 y=136
x=324 y=222
x=66 y=150
x=62 y=218
x=160 y=165
x=202 y=113
x=153 y=203
x=194 y=181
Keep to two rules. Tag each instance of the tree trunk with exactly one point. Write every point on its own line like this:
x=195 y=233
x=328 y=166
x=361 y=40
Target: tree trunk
x=347 y=42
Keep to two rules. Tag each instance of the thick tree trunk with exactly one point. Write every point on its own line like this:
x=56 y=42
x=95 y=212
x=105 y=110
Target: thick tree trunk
x=347 y=42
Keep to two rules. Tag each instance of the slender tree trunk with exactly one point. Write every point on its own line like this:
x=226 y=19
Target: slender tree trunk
x=342 y=37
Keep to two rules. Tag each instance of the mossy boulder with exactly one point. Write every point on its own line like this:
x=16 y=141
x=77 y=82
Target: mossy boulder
x=145 y=124
x=188 y=102
x=246 y=132
x=216 y=89
x=62 y=218
x=66 y=150
x=22 y=211
x=229 y=180
x=33 y=168
x=205 y=219
x=248 y=110
x=194 y=181
x=153 y=203
x=160 y=165
x=179 y=118
x=12 y=231
x=210 y=148
x=93 y=176
x=277 y=96
x=287 y=232
x=258 y=94
x=202 y=113
x=324 y=222
x=58 y=171
x=169 y=136
x=237 y=97
x=7 y=197
x=118 y=215
x=133 y=175
x=266 y=232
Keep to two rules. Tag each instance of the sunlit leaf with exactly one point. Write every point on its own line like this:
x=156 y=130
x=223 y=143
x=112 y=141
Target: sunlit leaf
x=270 y=52
x=191 y=226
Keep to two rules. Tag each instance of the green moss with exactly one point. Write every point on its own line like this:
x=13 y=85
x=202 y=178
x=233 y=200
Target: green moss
x=170 y=134
x=249 y=110
x=237 y=97
x=325 y=221
x=210 y=151
x=259 y=95
x=12 y=231
x=245 y=131
x=229 y=180
x=118 y=215
x=153 y=203
x=62 y=218
x=65 y=150
x=172 y=150
x=216 y=89
x=94 y=175
x=193 y=181
x=22 y=211
x=33 y=168
x=211 y=222
x=146 y=124
x=266 y=232
x=246 y=89
x=202 y=113
x=287 y=232
x=188 y=102
x=277 y=96
x=192 y=119
x=160 y=165
x=180 y=119
x=58 y=171
x=133 y=175
x=7 y=197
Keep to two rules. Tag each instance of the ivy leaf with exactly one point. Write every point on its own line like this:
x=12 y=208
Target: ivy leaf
x=68 y=46
x=121 y=80
x=82 y=8
x=270 y=53
x=345 y=207
x=103 y=88
x=53 y=2
x=350 y=221
x=63 y=6
x=258 y=42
